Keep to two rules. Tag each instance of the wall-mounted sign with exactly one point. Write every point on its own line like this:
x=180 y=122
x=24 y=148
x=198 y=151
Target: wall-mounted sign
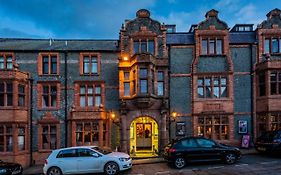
x=180 y=128
x=243 y=126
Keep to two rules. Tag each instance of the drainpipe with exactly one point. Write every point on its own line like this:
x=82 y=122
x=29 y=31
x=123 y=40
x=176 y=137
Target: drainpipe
x=65 y=97
x=252 y=95
x=169 y=91
x=30 y=120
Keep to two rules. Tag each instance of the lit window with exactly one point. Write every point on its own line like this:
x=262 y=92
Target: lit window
x=126 y=89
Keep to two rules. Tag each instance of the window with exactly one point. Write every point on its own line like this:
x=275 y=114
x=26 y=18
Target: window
x=160 y=83
x=143 y=81
x=82 y=152
x=126 y=83
x=215 y=127
x=205 y=143
x=211 y=46
x=212 y=87
x=262 y=87
x=6 y=61
x=134 y=82
x=152 y=81
x=275 y=83
x=89 y=63
x=6 y=93
x=67 y=153
x=87 y=133
x=49 y=136
x=48 y=64
x=6 y=138
x=275 y=121
x=90 y=95
x=21 y=138
x=21 y=95
x=146 y=45
x=272 y=45
x=49 y=96
x=188 y=143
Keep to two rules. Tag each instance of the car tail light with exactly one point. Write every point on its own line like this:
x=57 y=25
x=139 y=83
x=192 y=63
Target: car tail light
x=46 y=161
x=172 y=150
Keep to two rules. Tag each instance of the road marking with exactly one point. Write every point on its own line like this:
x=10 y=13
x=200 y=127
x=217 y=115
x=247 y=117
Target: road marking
x=244 y=164
x=163 y=172
x=265 y=163
x=215 y=167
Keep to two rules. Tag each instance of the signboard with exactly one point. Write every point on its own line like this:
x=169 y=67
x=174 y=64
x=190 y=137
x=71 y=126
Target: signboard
x=180 y=128
x=243 y=126
x=245 y=141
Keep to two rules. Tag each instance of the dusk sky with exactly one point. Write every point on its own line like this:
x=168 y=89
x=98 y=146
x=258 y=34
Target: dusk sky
x=102 y=19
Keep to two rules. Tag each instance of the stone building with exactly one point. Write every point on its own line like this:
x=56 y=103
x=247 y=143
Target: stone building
x=136 y=93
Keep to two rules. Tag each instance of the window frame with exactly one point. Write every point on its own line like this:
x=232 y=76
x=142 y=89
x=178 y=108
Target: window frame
x=41 y=94
x=5 y=62
x=275 y=83
x=138 y=45
x=49 y=125
x=161 y=81
x=90 y=55
x=5 y=136
x=6 y=95
x=211 y=85
x=268 y=45
x=93 y=132
x=143 y=79
x=208 y=40
x=49 y=62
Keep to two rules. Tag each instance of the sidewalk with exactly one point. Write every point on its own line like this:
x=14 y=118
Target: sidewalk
x=38 y=169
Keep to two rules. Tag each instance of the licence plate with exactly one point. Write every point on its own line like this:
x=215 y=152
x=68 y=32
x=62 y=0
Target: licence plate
x=261 y=148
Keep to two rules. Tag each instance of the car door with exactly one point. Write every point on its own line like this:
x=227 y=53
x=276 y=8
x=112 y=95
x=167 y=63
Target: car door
x=189 y=148
x=89 y=161
x=209 y=149
x=67 y=161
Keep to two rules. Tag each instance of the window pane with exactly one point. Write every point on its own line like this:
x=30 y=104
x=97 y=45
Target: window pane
x=208 y=92
x=82 y=89
x=126 y=89
x=200 y=81
x=266 y=46
x=216 y=81
x=82 y=101
x=200 y=92
x=160 y=88
x=90 y=101
x=136 y=46
x=204 y=46
x=216 y=92
x=219 y=46
x=9 y=88
x=21 y=100
x=90 y=90
x=53 y=64
x=98 y=90
x=143 y=73
x=97 y=101
x=151 y=47
x=273 y=89
x=223 y=92
x=143 y=46
x=94 y=65
x=208 y=81
x=2 y=62
x=143 y=86
x=9 y=143
x=275 y=47
x=86 y=64
x=273 y=76
x=127 y=75
x=21 y=138
x=262 y=84
x=45 y=64
x=223 y=81
x=9 y=62
x=21 y=89
x=45 y=100
x=9 y=99
x=160 y=76
x=211 y=46
x=1 y=99
x=1 y=87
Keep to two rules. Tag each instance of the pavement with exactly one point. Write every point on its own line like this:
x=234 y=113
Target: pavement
x=38 y=169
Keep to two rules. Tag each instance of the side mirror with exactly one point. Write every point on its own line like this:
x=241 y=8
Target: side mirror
x=95 y=155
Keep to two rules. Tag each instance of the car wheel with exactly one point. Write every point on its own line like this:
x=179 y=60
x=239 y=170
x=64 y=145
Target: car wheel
x=54 y=171
x=179 y=162
x=230 y=158
x=111 y=168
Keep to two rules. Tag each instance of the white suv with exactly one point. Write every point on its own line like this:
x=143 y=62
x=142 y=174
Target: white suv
x=86 y=159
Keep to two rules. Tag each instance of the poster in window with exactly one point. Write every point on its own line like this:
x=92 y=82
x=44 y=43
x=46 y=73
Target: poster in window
x=243 y=127
x=180 y=128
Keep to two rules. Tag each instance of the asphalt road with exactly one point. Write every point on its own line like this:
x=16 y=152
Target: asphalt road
x=248 y=165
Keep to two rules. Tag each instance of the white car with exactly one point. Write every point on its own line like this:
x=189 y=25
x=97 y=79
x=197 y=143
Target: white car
x=86 y=159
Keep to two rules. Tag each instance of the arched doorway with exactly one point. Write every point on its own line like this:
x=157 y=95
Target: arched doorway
x=144 y=137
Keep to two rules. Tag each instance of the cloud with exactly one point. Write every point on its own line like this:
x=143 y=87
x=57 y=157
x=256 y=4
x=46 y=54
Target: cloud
x=11 y=33
x=249 y=14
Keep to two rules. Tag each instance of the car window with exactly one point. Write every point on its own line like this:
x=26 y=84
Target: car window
x=205 y=143
x=188 y=143
x=103 y=151
x=85 y=152
x=67 y=153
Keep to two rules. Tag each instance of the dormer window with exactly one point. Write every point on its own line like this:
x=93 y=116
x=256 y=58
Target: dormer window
x=272 y=45
x=211 y=46
x=144 y=46
x=6 y=61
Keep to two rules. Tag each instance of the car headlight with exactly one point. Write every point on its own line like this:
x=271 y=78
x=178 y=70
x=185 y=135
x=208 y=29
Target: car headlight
x=122 y=159
x=3 y=170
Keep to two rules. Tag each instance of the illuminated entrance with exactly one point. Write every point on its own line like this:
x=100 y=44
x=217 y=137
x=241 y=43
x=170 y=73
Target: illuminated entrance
x=144 y=137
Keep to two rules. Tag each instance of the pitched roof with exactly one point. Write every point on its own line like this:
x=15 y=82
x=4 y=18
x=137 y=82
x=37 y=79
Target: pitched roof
x=180 y=38
x=242 y=37
x=57 y=45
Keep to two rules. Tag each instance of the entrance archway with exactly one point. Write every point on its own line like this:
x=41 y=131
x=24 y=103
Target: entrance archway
x=144 y=137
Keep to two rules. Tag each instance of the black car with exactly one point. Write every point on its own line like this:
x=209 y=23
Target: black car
x=7 y=168
x=269 y=142
x=194 y=149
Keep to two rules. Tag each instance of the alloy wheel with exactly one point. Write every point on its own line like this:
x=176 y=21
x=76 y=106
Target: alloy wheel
x=230 y=158
x=179 y=162
x=54 y=171
x=111 y=168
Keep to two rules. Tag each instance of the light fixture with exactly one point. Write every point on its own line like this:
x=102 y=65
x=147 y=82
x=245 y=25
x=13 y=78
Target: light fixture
x=125 y=58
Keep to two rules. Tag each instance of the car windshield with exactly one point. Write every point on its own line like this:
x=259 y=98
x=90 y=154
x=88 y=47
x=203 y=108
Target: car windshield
x=103 y=151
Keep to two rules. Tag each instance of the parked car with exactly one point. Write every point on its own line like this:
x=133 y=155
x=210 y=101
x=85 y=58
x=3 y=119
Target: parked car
x=86 y=159
x=7 y=168
x=269 y=142
x=194 y=149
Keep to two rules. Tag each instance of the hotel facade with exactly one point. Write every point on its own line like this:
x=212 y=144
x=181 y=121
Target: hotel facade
x=136 y=93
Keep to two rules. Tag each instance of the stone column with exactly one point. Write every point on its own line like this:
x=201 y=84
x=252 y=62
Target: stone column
x=163 y=131
x=124 y=134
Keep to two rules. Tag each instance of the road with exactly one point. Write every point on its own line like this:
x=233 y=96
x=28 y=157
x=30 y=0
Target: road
x=248 y=165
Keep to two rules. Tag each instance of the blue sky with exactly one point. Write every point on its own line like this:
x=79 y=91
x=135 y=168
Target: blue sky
x=102 y=19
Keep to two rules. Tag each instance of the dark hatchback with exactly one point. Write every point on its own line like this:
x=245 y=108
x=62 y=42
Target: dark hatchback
x=269 y=142
x=195 y=149
x=7 y=168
